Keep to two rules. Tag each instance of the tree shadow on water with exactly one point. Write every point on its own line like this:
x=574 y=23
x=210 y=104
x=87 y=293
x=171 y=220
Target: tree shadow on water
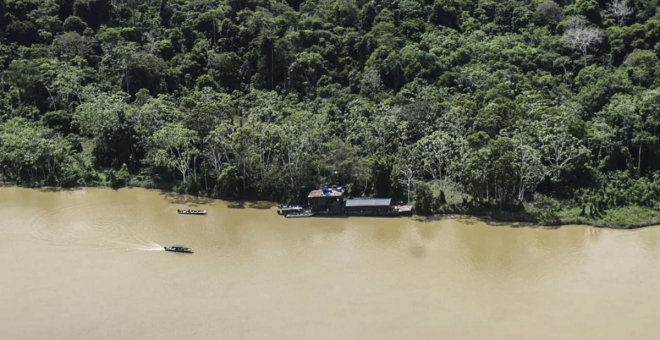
x=175 y=198
x=250 y=204
x=261 y=205
x=59 y=189
x=464 y=219
x=235 y=204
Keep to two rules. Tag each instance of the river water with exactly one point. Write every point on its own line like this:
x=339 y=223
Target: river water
x=89 y=264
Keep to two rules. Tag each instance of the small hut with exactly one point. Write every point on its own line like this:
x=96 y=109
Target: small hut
x=328 y=200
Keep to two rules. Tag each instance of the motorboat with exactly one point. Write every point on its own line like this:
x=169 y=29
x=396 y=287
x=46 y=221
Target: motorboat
x=191 y=212
x=178 y=249
x=286 y=210
x=305 y=213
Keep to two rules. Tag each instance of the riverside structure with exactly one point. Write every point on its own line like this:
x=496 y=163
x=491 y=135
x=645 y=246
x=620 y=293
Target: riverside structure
x=331 y=201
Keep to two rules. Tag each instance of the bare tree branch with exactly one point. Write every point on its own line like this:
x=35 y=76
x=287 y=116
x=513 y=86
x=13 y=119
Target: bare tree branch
x=619 y=9
x=581 y=36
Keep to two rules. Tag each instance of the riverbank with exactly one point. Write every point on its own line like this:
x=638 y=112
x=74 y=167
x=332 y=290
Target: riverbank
x=608 y=211
x=631 y=217
x=619 y=218
x=530 y=214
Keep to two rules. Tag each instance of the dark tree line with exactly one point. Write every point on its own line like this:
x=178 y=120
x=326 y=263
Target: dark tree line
x=265 y=98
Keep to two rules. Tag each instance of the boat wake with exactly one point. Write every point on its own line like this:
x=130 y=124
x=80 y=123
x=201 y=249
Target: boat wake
x=152 y=246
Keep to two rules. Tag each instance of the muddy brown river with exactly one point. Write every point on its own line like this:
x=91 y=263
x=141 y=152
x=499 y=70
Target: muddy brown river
x=89 y=264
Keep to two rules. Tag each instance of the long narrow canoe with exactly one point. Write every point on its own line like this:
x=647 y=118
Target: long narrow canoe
x=179 y=249
x=191 y=212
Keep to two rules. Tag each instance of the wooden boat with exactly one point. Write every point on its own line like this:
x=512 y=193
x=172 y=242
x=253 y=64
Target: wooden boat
x=191 y=212
x=305 y=213
x=294 y=211
x=286 y=210
x=179 y=249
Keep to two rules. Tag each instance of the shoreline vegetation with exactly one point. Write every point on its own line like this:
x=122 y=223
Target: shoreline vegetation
x=545 y=111
x=619 y=218
x=630 y=217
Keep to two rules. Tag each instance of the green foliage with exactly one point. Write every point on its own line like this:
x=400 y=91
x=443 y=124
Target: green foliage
x=74 y=24
x=619 y=189
x=499 y=101
x=174 y=148
x=118 y=178
x=33 y=154
x=423 y=203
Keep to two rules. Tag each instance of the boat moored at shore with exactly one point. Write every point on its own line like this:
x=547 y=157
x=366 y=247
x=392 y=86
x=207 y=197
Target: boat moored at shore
x=291 y=211
x=191 y=212
x=285 y=210
x=306 y=213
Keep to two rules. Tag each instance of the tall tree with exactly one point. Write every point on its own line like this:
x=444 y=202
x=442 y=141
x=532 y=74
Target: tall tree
x=581 y=36
x=619 y=9
x=175 y=148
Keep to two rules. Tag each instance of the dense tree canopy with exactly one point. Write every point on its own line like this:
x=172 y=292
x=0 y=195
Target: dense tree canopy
x=269 y=98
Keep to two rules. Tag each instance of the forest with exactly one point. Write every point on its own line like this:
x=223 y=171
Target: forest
x=549 y=109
